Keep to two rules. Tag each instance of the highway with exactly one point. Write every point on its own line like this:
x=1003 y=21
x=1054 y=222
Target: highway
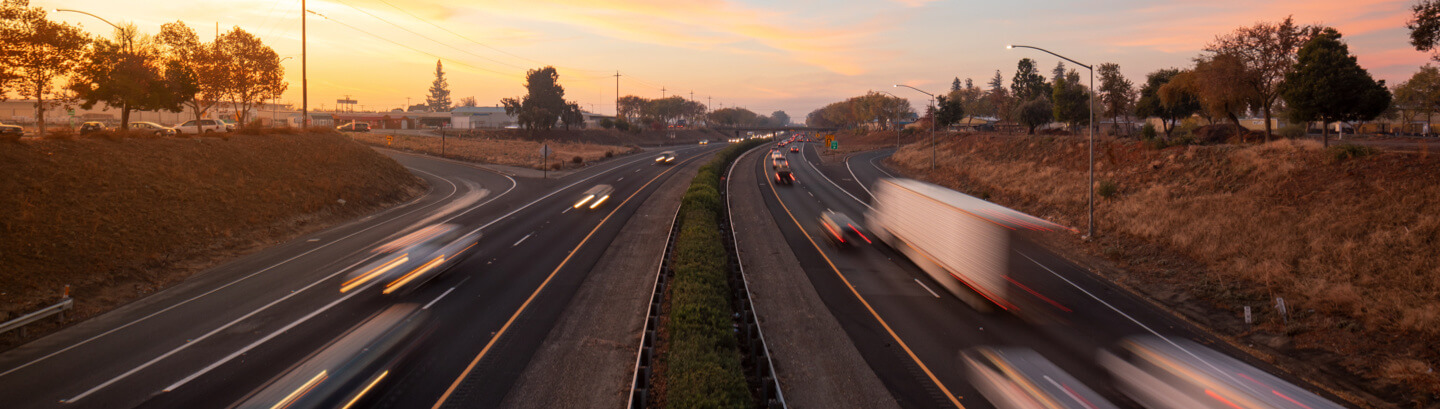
x=227 y=333
x=912 y=332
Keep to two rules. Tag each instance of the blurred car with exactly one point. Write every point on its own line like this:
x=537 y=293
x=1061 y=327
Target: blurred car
x=840 y=230
x=201 y=126
x=414 y=258
x=354 y=127
x=776 y=163
x=704 y=141
x=595 y=196
x=775 y=153
x=1016 y=378
x=1174 y=373
x=12 y=130
x=783 y=175
x=666 y=158
x=157 y=129
x=92 y=127
x=794 y=149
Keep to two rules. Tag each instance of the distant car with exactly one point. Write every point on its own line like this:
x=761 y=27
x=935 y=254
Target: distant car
x=775 y=153
x=778 y=162
x=414 y=259
x=12 y=130
x=157 y=129
x=92 y=127
x=595 y=196
x=666 y=158
x=202 y=126
x=840 y=230
x=704 y=141
x=794 y=149
x=354 y=127
x=783 y=175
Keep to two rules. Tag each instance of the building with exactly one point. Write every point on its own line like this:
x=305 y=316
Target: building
x=481 y=118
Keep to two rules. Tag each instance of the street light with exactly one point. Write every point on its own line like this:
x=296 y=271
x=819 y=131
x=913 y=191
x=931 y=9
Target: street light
x=1089 y=128
x=934 y=113
x=127 y=39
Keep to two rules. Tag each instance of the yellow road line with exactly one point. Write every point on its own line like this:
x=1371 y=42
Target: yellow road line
x=526 y=304
x=902 y=343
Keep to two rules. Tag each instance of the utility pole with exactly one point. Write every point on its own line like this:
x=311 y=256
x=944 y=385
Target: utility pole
x=617 y=94
x=692 y=96
x=304 y=80
x=707 y=103
x=662 y=92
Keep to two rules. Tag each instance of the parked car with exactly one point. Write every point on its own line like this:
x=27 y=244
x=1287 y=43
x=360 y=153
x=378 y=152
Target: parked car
x=93 y=127
x=196 y=127
x=354 y=127
x=157 y=129
x=12 y=130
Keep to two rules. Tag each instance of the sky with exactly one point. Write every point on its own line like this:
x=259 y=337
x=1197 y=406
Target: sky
x=790 y=55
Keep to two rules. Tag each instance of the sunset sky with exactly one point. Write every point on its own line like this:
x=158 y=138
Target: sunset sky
x=762 y=55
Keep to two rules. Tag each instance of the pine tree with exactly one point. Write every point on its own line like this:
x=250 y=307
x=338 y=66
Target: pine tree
x=955 y=86
x=439 y=99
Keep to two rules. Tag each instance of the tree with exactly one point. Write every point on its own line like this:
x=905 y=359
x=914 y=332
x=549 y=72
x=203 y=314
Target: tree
x=125 y=73
x=1034 y=113
x=733 y=117
x=955 y=85
x=632 y=106
x=1150 y=104
x=1223 y=86
x=543 y=103
x=781 y=118
x=36 y=52
x=468 y=102
x=1268 y=51
x=572 y=116
x=1328 y=85
x=1419 y=95
x=1028 y=84
x=192 y=68
x=1424 y=26
x=439 y=99
x=1059 y=71
x=1071 y=100
x=998 y=98
x=951 y=111
x=1117 y=94
x=254 y=72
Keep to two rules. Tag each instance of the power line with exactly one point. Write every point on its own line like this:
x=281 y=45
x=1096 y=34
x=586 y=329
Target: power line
x=411 y=48
x=427 y=37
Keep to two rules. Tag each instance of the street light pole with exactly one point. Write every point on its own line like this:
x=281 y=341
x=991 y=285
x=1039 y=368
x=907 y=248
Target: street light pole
x=304 y=79
x=1090 y=129
x=934 y=114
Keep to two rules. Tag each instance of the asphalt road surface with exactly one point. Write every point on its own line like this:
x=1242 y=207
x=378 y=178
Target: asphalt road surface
x=912 y=332
x=226 y=333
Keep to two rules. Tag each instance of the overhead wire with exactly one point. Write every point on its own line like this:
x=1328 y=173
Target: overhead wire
x=512 y=75
x=427 y=37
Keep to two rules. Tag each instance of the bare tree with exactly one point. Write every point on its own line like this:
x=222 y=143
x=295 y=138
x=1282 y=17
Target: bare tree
x=36 y=52
x=1268 y=51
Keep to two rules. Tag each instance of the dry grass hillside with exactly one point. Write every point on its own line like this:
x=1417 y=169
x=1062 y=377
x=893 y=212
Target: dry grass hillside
x=1350 y=244
x=509 y=152
x=120 y=219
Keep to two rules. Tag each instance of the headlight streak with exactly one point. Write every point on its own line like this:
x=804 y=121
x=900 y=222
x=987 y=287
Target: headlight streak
x=378 y=271
x=394 y=285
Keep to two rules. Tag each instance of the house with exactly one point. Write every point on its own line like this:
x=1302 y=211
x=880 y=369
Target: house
x=480 y=118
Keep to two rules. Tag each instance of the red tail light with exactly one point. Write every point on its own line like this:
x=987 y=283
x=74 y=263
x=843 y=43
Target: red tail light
x=858 y=233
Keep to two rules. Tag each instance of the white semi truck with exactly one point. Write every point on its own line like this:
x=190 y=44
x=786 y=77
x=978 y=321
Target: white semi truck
x=962 y=242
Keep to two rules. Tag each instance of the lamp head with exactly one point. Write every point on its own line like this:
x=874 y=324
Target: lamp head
x=1009 y=46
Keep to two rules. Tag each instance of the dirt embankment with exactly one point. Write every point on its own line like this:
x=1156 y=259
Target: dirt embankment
x=118 y=220
x=508 y=152
x=1350 y=244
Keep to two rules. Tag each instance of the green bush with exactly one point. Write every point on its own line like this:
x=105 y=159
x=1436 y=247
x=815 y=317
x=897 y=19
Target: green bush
x=703 y=360
x=1346 y=151
x=1148 y=131
x=1292 y=131
x=607 y=123
x=622 y=125
x=577 y=160
x=1107 y=189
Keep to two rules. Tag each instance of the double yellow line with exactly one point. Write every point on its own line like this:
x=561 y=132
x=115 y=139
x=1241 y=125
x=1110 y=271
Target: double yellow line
x=882 y=322
x=543 y=284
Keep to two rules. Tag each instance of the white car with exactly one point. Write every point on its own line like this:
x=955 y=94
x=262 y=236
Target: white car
x=195 y=127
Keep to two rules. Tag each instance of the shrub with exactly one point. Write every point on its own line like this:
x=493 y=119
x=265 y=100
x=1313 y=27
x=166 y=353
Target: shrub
x=609 y=154
x=1292 y=131
x=622 y=125
x=577 y=160
x=1107 y=189
x=1148 y=131
x=1346 y=151
x=607 y=123
x=556 y=166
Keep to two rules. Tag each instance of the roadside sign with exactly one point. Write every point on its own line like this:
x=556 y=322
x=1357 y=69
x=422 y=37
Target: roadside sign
x=389 y=139
x=544 y=150
x=834 y=144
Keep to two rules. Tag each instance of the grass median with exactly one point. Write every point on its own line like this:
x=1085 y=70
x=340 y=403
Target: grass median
x=702 y=360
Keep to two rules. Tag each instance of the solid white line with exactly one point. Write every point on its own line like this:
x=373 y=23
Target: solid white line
x=621 y=178
x=837 y=186
x=227 y=285
x=857 y=180
x=247 y=348
x=927 y=288
x=877 y=167
x=215 y=331
x=567 y=209
x=522 y=239
x=442 y=295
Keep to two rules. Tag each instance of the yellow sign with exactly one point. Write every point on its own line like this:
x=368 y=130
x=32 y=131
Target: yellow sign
x=389 y=139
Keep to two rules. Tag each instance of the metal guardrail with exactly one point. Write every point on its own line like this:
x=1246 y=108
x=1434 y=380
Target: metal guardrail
x=757 y=352
x=640 y=386
x=58 y=308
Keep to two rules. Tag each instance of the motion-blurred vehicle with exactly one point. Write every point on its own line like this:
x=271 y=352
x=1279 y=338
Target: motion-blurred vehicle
x=1174 y=373
x=778 y=162
x=775 y=153
x=12 y=130
x=1019 y=378
x=414 y=259
x=595 y=196
x=666 y=158
x=704 y=141
x=196 y=127
x=349 y=368
x=783 y=175
x=794 y=149
x=93 y=127
x=840 y=230
x=151 y=127
x=961 y=241
x=354 y=127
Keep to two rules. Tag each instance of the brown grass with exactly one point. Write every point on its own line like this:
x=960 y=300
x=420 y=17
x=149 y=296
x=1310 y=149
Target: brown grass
x=120 y=219
x=507 y=152
x=1351 y=244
